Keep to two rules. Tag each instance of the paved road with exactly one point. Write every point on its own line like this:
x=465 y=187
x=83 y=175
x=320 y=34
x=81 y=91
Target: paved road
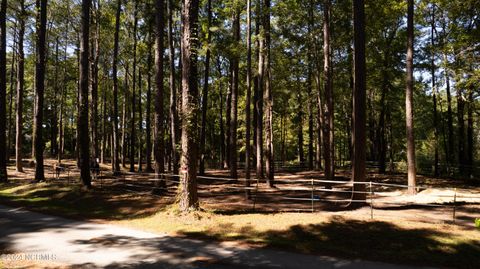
x=91 y=245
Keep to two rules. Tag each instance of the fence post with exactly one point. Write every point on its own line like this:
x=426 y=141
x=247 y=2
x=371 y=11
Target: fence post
x=255 y=196
x=454 y=204
x=312 y=195
x=371 y=201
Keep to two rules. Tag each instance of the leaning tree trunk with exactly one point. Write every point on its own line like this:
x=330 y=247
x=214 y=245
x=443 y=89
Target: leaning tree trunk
x=188 y=181
x=3 y=91
x=20 y=88
x=159 y=127
x=83 y=136
x=39 y=88
x=409 y=104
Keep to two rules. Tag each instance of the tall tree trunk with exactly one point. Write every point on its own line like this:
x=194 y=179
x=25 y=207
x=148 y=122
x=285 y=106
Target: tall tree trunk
x=461 y=129
x=54 y=120
x=83 y=117
x=116 y=161
x=41 y=6
x=234 y=105
x=174 y=122
x=228 y=118
x=20 y=88
x=159 y=127
x=140 y=121
x=299 y=115
x=359 y=101
x=451 y=138
x=10 y=107
x=381 y=137
x=470 y=146
x=134 y=83
x=94 y=79
x=328 y=141
x=188 y=181
x=270 y=162
x=320 y=123
x=104 y=138
x=61 y=140
x=409 y=104
x=3 y=90
x=434 y=93
x=148 y=124
x=205 y=92
x=247 y=102
x=310 y=87
x=221 y=103
x=124 y=116
x=259 y=93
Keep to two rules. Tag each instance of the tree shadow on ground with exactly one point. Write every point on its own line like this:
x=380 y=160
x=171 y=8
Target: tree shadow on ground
x=369 y=240
x=112 y=203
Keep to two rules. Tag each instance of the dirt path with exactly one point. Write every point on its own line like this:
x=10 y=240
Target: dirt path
x=91 y=245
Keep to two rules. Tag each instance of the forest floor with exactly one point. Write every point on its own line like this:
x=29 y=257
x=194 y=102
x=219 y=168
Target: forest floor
x=415 y=230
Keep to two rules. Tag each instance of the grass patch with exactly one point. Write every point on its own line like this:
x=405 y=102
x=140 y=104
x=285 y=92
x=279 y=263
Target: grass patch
x=402 y=242
x=75 y=202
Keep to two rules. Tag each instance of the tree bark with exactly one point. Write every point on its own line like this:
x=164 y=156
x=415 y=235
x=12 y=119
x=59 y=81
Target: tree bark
x=461 y=129
x=205 y=92
x=83 y=136
x=470 y=146
x=174 y=122
x=259 y=94
x=3 y=91
x=95 y=49
x=270 y=157
x=54 y=120
x=20 y=88
x=188 y=181
x=134 y=83
x=140 y=121
x=116 y=161
x=159 y=127
x=247 y=102
x=434 y=94
x=148 y=124
x=451 y=139
x=409 y=103
x=359 y=101
x=328 y=140
x=234 y=100
x=41 y=6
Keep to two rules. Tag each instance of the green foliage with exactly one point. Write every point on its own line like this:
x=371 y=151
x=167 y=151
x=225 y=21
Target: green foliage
x=477 y=223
